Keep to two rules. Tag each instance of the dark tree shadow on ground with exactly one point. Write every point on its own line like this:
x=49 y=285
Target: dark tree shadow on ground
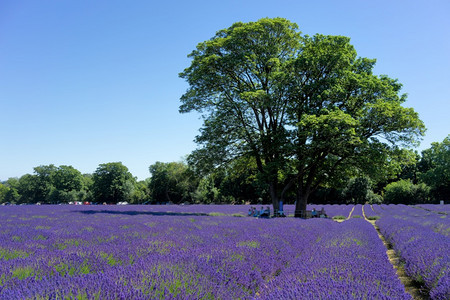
x=135 y=213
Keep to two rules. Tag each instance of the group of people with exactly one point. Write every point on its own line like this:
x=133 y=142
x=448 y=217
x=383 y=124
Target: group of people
x=318 y=214
x=262 y=213
x=265 y=212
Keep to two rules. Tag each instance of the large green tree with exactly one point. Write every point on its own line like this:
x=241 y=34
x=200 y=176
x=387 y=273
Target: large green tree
x=12 y=195
x=435 y=169
x=43 y=183
x=112 y=183
x=358 y=190
x=236 y=183
x=171 y=182
x=406 y=192
x=51 y=184
x=141 y=192
x=67 y=185
x=3 y=191
x=305 y=108
x=28 y=190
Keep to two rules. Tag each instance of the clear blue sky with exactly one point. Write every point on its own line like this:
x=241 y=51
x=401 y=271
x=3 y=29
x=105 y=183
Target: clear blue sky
x=87 y=82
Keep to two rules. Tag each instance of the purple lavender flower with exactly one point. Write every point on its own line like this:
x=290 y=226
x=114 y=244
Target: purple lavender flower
x=188 y=252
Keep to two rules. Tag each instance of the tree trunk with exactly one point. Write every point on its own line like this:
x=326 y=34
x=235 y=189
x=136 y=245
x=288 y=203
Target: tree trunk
x=300 y=204
x=274 y=197
x=166 y=192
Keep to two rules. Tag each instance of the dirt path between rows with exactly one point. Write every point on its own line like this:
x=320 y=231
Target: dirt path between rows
x=351 y=212
x=394 y=259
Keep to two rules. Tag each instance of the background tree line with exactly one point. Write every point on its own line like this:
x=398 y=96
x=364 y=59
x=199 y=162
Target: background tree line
x=411 y=178
x=287 y=117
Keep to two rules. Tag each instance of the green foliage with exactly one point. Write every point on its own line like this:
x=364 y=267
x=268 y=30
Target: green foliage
x=112 y=183
x=171 y=182
x=206 y=191
x=357 y=190
x=23 y=272
x=409 y=166
x=141 y=192
x=67 y=179
x=62 y=196
x=86 y=194
x=65 y=269
x=305 y=109
x=3 y=191
x=373 y=198
x=234 y=183
x=42 y=184
x=250 y=244
x=11 y=194
x=6 y=254
x=236 y=77
x=331 y=193
x=405 y=192
x=50 y=184
x=27 y=189
x=435 y=169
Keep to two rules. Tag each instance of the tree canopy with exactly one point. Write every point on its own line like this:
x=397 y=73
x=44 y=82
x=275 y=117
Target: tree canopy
x=171 y=182
x=435 y=167
x=112 y=183
x=48 y=184
x=305 y=108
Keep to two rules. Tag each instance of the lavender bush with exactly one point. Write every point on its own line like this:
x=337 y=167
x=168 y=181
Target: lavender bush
x=144 y=252
x=346 y=261
x=370 y=212
x=421 y=240
x=442 y=209
x=357 y=211
x=434 y=221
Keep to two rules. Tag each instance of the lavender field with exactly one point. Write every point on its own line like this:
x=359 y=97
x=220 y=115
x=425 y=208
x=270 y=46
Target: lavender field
x=213 y=252
x=421 y=237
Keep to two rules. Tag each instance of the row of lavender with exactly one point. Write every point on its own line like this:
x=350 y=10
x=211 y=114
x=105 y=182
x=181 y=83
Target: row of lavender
x=439 y=208
x=233 y=210
x=345 y=260
x=136 y=253
x=369 y=211
x=421 y=239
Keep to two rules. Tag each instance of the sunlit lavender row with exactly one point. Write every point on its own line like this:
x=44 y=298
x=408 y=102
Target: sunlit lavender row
x=134 y=252
x=434 y=221
x=440 y=208
x=421 y=239
x=343 y=262
x=369 y=211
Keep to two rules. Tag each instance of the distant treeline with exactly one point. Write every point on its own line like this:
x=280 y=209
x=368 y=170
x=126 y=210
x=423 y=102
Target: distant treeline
x=421 y=179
